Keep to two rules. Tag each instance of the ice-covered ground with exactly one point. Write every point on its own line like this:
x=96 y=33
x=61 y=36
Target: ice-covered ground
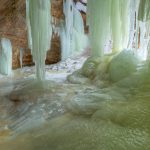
x=60 y=115
x=24 y=101
x=56 y=72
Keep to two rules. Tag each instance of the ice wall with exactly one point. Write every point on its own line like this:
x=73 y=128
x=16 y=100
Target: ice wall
x=39 y=27
x=5 y=57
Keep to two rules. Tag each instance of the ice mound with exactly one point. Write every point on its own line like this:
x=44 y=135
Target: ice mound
x=123 y=65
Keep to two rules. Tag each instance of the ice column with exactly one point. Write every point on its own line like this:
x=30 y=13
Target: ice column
x=108 y=18
x=144 y=10
x=79 y=38
x=120 y=24
x=21 y=57
x=5 y=57
x=28 y=25
x=144 y=16
x=39 y=26
x=125 y=23
x=116 y=25
x=73 y=39
x=133 y=22
x=99 y=24
x=67 y=29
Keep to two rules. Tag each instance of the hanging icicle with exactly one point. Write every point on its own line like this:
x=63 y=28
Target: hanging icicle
x=40 y=30
x=109 y=18
x=67 y=29
x=125 y=22
x=73 y=39
x=116 y=25
x=99 y=24
x=144 y=10
x=5 y=57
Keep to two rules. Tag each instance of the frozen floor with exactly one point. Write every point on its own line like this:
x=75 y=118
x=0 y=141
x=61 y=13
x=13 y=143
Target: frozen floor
x=62 y=116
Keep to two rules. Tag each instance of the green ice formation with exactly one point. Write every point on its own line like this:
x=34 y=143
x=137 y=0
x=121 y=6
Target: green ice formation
x=108 y=19
x=71 y=31
x=39 y=32
x=144 y=10
x=73 y=38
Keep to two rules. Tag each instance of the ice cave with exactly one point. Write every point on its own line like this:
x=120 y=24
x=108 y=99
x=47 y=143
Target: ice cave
x=75 y=75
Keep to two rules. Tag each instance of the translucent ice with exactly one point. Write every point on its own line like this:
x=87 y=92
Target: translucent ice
x=108 y=19
x=73 y=39
x=99 y=25
x=144 y=10
x=5 y=57
x=38 y=18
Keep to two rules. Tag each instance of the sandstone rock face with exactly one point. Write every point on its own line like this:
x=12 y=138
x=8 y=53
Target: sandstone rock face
x=13 y=26
x=54 y=54
x=57 y=9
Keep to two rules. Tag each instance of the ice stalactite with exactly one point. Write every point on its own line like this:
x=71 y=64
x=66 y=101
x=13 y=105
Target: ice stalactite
x=144 y=16
x=116 y=25
x=39 y=32
x=106 y=19
x=125 y=23
x=120 y=24
x=21 y=57
x=73 y=39
x=99 y=24
x=79 y=38
x=5 y=57
x=134 y=4
x=28 y=25
x=144 y=10
x=67 y=29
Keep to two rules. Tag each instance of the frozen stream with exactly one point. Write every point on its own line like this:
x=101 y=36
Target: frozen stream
x=63 y=116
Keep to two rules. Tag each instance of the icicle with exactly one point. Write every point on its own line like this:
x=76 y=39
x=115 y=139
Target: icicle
x=21 y=56
x=5 y=57
x=28 y=25
x=125 y=22
x=144 y=16
x=99 y=24
x=73 y=39
x=144 y=10
x=120 y=24
x=116 y=25
x=106 y=18
x=68 y=29
x=39 y=19
x=79 y=38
